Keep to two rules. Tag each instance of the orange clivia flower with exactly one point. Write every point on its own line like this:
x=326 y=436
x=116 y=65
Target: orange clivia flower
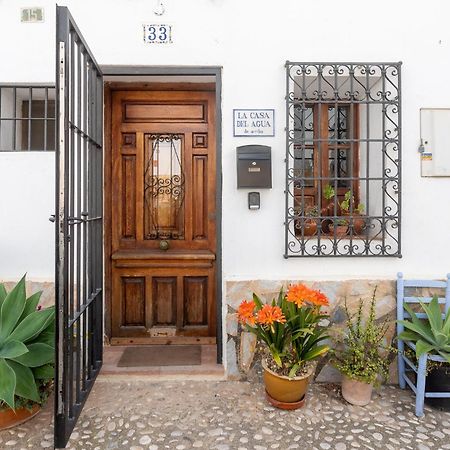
x=301 y=294
x=298 y=294
x=268 y=314
x=320 y=299
x=246 y=312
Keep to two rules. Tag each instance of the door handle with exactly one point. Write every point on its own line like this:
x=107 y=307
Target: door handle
x=52 y=218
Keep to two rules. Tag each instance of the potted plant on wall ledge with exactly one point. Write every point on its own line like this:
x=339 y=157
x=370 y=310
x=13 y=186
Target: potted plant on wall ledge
x=27 y=335
x=339 y=227
x=290 y=328
x=311 y=219
x=361 y=356
x=358 y=222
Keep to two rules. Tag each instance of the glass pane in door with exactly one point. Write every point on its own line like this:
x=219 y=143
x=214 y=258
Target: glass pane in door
x=164 y=184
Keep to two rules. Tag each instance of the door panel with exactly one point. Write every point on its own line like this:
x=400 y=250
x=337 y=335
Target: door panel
x=164 y=301
x=163 y=193
x=133 y=301
x=129 y=197
x=195 y=301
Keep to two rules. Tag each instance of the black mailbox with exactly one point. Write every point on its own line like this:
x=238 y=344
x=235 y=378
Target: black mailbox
x=254 y=166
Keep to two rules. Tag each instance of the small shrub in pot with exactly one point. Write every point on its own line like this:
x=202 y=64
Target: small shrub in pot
x=361 y=355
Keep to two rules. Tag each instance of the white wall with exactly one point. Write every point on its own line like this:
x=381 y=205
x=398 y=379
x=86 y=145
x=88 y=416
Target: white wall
x=251 y=39
x=26 y=202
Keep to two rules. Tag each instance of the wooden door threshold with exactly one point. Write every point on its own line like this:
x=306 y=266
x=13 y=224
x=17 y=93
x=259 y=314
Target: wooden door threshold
x=207 y=370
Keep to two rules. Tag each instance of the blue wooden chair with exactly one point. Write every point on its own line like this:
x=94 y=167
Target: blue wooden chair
x=405 y=366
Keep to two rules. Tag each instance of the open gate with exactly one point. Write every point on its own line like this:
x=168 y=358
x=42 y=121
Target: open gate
x=79 y=230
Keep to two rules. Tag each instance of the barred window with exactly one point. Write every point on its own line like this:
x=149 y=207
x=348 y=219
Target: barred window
x=27 y=118
x=343 y=159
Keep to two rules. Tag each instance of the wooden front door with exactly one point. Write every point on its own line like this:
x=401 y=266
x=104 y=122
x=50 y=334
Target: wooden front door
x=163 y=216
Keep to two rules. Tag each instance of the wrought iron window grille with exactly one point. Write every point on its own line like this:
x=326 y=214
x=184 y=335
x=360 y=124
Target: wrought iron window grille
x=27 y=117
x=164 y=187
x=343 y=159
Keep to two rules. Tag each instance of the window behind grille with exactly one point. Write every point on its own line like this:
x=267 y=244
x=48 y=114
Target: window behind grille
x=343 y=159
x=27 y=118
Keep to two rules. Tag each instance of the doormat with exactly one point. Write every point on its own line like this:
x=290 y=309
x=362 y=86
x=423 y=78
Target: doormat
x=161 y=355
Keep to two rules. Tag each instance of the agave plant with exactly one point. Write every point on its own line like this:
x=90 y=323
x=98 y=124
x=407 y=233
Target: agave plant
x=26 y=344
x=431 y=335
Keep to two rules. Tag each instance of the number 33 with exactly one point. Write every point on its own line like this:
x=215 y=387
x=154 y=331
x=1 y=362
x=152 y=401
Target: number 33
x=162 y=36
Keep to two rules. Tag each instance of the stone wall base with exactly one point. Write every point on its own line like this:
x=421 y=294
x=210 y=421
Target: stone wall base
x=242 y=351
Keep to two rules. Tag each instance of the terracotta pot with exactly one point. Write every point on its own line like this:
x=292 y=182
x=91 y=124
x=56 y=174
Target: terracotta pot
x=10 y=418
x=341 y=230
x=359 y=225
x=356 y=392
x=310 y=227
x=286 y=393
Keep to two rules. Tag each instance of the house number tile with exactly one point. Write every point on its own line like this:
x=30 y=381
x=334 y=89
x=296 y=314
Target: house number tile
x=158 y=34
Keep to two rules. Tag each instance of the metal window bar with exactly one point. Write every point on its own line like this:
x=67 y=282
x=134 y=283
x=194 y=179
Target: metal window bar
x=27 y=117
x=369 y=94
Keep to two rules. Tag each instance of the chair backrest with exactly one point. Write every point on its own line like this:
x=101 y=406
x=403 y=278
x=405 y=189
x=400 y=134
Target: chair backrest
x=403 y=285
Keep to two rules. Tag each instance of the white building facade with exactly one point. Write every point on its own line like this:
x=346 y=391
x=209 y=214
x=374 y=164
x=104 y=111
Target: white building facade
x=249 y=43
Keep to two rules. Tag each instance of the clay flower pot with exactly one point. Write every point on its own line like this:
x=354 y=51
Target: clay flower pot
x=356 y=392
x=284 y=392
x=341 y=230
x=310 y=227
x=10 y=418
x=359 y=225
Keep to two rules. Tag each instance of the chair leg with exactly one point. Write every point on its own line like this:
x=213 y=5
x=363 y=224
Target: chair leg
x=421 y=378
x=401 y=371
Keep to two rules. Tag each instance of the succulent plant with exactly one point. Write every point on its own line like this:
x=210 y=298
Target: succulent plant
x=431 y=335
x=27 y=346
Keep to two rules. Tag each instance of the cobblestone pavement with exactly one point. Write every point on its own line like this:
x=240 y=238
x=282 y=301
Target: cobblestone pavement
x=139 y=415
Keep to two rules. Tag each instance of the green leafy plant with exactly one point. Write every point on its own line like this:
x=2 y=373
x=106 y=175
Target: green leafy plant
x=430 y=335
x=26 y=346
x=312 y=211
x=328 y=192
x=362 y=355
x=348 y=200
x=340 y=222
x=289 y=326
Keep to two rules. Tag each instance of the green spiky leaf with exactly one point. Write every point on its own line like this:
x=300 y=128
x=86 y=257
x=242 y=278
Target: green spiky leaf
x=7 y=383
x=31 y=304
x=12 y=308
x=38 y=355
x=32 y=325
x=423 y=347
x=3 y=294
x=25 y=383
x=12 y=349
x=46 y=372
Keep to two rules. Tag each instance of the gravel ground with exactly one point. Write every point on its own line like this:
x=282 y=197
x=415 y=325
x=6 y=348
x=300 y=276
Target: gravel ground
x=139 y=415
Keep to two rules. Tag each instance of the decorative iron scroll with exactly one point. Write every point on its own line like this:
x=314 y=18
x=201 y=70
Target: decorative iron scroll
x=164 y=187
x=343 y=159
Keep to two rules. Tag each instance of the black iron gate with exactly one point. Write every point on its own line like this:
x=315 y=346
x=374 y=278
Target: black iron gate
x=79 y=231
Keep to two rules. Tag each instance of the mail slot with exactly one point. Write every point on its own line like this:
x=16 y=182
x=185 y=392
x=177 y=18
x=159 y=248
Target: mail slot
x=254 y=166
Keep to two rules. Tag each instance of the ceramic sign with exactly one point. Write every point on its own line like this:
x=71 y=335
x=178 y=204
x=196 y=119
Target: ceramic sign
x=158 y=34
x=253 y=122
